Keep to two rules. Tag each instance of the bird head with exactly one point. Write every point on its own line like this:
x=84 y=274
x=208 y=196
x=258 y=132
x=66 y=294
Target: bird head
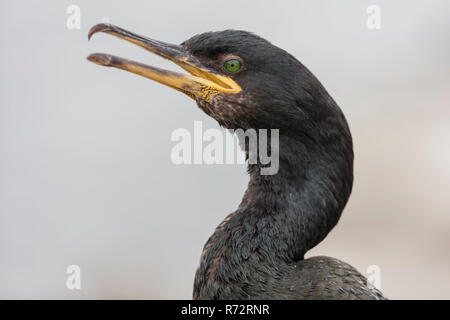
x=236 y=77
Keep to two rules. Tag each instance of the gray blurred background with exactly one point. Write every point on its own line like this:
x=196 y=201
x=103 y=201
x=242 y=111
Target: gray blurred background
x=85 y=170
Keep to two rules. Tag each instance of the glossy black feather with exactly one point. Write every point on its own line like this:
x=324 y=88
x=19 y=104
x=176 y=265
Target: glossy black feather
x=257 y=251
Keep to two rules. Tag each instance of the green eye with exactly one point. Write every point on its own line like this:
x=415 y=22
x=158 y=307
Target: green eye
x=232 y=65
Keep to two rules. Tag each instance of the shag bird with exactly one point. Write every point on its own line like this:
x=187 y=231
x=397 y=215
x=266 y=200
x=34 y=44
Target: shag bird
x=245 y=82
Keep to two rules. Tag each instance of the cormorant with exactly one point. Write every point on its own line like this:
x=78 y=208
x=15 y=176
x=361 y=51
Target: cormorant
x=245 y=82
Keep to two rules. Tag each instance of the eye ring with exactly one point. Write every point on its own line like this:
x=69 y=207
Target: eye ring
x=232 y=65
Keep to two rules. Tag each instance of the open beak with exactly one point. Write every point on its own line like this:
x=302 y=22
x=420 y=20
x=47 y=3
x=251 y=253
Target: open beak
x=201 y=82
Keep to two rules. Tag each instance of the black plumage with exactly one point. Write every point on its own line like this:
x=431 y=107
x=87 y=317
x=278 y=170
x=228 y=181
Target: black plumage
x=258 y=251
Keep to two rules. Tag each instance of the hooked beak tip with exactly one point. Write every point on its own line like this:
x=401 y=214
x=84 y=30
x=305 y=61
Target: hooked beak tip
x=99 y=28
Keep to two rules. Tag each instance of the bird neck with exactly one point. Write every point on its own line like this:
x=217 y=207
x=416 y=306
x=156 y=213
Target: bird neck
x=281 y=216
x=303 y=201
